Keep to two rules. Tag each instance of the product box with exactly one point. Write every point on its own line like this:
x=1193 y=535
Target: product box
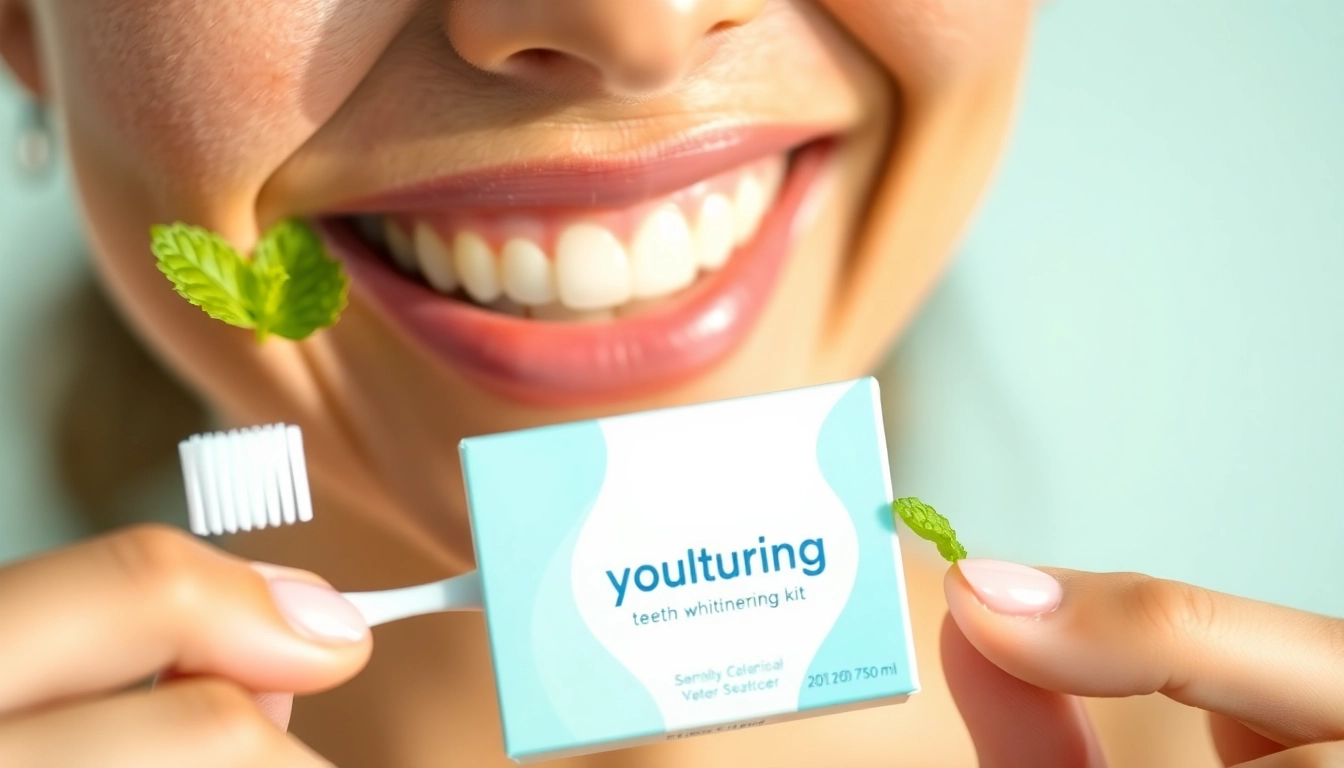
x=689 y=571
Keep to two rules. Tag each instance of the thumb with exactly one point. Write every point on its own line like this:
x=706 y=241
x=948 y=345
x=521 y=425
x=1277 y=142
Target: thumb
x=277 y=707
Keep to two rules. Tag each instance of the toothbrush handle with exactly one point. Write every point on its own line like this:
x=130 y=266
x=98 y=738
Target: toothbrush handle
x=460 y=593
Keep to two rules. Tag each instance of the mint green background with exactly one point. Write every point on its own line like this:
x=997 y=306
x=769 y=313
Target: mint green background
x=1138 y=358
x=1137 y=362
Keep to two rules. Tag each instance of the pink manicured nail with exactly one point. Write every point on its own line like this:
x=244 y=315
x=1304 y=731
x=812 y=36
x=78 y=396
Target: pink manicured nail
x=1009 y=588
x=318 y=612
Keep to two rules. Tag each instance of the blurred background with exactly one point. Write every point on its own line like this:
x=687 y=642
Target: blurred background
x=1136 y=361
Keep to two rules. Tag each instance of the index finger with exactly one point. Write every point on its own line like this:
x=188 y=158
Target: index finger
x=1278 y=670
x=106 y=613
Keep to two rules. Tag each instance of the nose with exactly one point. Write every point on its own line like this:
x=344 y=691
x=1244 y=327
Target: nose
x=635 y=47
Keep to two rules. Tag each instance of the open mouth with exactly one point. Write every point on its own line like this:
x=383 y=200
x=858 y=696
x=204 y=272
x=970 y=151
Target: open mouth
x=580 y=265
x=589 y=281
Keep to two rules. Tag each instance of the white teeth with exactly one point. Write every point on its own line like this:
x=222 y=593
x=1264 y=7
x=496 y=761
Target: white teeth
x=435 y=259
x=528 y=276
x=591 y=269
x=560 y=313
x=476 y=267
x=661 y=258
x=591 y=274
x=403 y=253
x=715 y=232
x=748 y=207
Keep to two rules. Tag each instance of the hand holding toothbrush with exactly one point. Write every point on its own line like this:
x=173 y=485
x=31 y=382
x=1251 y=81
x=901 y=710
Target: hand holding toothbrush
x=81 y=626
x=84 y=624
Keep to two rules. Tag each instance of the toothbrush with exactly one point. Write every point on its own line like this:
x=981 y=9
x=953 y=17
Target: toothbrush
x=251 y=479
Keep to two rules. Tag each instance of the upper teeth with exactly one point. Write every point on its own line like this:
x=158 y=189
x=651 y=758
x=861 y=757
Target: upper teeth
x=435 y=259
x=662 y=259
x=590 y=269
x=476 y=267
x=529 y=278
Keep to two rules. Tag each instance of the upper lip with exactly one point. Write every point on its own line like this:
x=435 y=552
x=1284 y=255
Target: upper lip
x=592 y=181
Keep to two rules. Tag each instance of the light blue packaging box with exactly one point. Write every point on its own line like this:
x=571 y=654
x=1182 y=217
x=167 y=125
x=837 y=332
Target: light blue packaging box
x=690 y=571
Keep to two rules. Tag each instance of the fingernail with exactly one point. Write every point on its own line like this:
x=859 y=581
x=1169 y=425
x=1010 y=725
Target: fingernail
x=318 y=612
x=1011 y=589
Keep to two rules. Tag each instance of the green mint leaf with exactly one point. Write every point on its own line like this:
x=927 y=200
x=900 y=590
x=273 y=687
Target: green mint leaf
x=206 y=271
x=268 y=281
x=290 y=288
x=315 y=290
x=930 y=526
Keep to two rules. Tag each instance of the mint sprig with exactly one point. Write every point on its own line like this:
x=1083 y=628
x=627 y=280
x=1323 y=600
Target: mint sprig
x=930 y=526
x=291 y=288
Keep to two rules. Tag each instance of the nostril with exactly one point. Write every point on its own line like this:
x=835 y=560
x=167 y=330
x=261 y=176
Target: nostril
x=549 y=66
x=627 y=48
x=537 y=57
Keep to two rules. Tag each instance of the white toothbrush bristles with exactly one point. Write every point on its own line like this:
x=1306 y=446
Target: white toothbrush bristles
x=245 y=479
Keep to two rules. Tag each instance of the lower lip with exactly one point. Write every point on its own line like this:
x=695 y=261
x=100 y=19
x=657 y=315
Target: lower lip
x=575 y=364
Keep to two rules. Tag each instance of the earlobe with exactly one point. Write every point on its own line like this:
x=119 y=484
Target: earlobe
x=18 y=45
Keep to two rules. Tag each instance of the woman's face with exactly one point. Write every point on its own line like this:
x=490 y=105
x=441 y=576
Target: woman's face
x=550 y=209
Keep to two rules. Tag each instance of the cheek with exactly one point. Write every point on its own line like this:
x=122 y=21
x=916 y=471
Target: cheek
x=930 y=45
x=204 y=99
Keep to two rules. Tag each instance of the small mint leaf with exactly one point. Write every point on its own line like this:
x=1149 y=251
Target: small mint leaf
x=930 y=526
x=290 y=288
x=206 y=271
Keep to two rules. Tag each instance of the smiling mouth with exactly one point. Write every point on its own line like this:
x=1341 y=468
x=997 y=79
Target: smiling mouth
x=580 y=266
x=584 y=282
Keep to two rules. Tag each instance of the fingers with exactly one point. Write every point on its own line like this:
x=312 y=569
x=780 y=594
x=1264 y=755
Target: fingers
x=1013 y=723
x=1235 y=743
x=104 y=614
x=277 y=707
x=1278 y=670
x=1310 y=756
x=203 y=723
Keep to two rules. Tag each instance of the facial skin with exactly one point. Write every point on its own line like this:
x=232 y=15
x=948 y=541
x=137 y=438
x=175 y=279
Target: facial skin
x=235 y=115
